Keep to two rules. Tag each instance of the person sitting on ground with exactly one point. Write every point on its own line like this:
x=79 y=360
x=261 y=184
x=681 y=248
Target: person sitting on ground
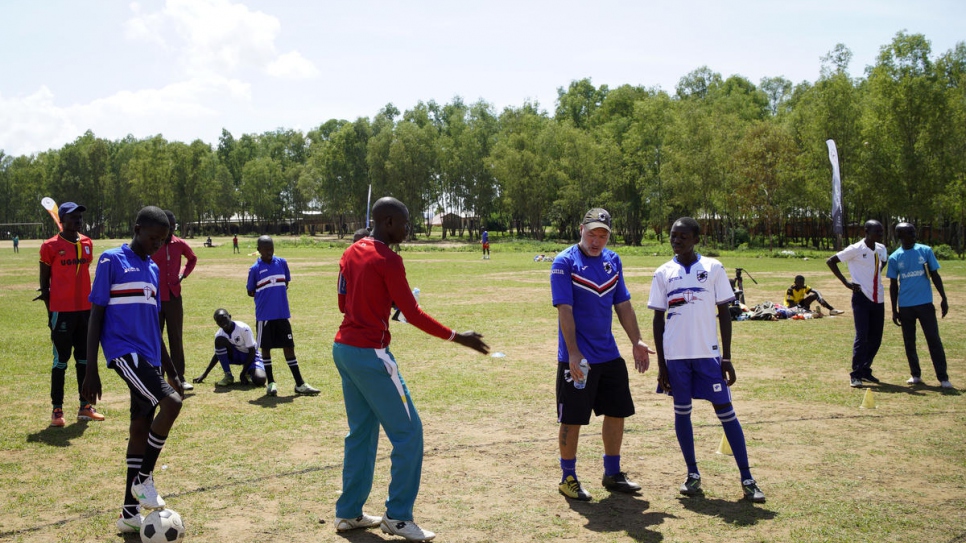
x=235 y=345
x=801 y=295
x=359 y=234
x=208 y=242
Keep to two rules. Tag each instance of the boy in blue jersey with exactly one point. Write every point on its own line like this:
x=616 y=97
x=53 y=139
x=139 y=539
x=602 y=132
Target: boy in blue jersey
x=587 y=287
x=124 y=322
x=235 y=346
x=688 y=294
x=910 y=267
x=268 y=280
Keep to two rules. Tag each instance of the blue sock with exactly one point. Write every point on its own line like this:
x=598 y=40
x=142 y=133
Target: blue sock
x=612 y=465
x=222 y=355
x=685 y=433
x=736 y=439
x=569 y=467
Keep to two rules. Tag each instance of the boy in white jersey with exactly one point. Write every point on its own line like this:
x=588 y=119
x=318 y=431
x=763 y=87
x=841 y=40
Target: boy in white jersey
x=235 y=345
x=688 y=294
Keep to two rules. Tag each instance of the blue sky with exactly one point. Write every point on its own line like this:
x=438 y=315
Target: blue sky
x=188 y=68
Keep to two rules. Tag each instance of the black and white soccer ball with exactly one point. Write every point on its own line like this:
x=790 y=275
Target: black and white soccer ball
x=162 y=526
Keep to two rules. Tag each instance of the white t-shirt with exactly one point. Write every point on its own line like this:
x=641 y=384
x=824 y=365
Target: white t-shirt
x=865 y=267
x=690 y=296
x=241 y=337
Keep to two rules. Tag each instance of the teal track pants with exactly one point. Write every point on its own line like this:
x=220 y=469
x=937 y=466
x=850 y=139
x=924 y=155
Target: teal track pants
x=375 y=394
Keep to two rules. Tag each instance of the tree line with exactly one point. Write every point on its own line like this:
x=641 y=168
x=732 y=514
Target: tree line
x=749 y=160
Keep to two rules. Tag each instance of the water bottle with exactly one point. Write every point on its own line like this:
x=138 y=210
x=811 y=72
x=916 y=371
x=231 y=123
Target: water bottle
x=402 y=318
x=585 y=368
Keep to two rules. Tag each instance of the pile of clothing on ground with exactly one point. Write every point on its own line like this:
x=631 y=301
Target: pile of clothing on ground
x=770 y=311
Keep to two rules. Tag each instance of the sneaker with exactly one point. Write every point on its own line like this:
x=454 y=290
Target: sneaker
x=946 y=384
x=914 y=381
x=835 y=312
x=271 y=389
x=362 y=521
x=146 y=494
x=227 y=380
x=306 y=389
x=871 y=378
x=619 y=483
x=57 y=418
x=87 y=412
x=129 y=525
x=692 y=486
x=571 y=488
x=752 y=492
x=856 y=382
x=407 y=529
x=186 y=385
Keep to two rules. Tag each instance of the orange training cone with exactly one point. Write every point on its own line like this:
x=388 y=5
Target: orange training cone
x=868 y=401
x=724 y=447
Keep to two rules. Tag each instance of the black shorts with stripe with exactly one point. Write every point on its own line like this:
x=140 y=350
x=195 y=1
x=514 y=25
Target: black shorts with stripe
x=607 y=393
x=145 y=381
x=275 y=334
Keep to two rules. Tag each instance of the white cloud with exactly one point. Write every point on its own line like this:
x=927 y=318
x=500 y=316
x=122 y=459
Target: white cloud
x=292 y=66
x=218 y=36
x=178 y=111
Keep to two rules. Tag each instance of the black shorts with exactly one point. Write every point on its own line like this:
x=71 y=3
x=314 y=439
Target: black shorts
x=276 y=334
x=145 y=381
x=68 y=332
x=608 y=392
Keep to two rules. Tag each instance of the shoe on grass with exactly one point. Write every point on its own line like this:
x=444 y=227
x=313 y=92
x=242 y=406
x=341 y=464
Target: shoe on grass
x=146 y=494
x=692 y=485
x=619 y=483
x=362 y=521
x=945 y=384
x=571 y=488
x=752 y=492
x=406 y=529
x=856 y=383
x=306 y=389
x=871 y=378
x=87 y=412
x=914 y=381
x=57 y=417
x=271 y=389
x=834 y=312
x=186 y=385
x=226 y=381
x=129 y=525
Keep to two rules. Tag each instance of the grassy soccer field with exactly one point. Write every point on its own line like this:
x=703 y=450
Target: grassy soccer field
x=243 y=467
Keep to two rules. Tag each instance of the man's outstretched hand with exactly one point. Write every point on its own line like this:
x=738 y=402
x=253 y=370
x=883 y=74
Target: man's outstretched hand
x=472 y=340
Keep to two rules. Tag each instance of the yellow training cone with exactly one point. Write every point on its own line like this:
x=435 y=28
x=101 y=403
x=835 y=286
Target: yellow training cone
x=724 y=447
x=868 y=401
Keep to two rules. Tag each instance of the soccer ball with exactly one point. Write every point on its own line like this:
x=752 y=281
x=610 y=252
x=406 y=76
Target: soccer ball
x=162 y=526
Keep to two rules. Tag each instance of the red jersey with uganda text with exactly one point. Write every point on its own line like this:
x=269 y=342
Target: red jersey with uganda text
x=70 y=272
x=371 y=278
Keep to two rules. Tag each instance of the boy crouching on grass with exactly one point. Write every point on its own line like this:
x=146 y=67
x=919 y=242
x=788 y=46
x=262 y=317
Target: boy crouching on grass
x=124 y=321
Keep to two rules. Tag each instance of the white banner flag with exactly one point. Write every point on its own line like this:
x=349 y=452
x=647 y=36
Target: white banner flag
x=833 y=156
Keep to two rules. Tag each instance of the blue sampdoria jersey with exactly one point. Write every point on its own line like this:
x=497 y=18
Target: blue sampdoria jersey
x=269 y=282
x=592 y=286
x=127 y=287
x=911 y=267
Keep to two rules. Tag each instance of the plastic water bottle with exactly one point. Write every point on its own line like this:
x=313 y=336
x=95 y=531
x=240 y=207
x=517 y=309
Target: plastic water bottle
x=402 y=318
x=585 y=368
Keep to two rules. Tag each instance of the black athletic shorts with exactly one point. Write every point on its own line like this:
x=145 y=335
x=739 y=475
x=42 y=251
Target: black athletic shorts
x=68 y=332
x=275 y=334
x=145 y=381
x=607 y=393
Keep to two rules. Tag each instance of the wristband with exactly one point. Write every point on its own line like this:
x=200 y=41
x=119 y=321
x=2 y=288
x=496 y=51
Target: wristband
x=723 y=360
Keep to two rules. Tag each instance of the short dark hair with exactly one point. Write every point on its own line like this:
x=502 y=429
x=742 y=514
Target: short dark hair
x=689 y=223
x=152 y=216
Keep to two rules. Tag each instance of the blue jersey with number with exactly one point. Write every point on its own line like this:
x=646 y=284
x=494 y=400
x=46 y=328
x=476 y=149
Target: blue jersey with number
x=269 y=282
x=126 y=285
x=592 y=286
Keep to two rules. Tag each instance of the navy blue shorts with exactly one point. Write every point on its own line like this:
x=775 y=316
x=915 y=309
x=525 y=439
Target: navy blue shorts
x=698 y=378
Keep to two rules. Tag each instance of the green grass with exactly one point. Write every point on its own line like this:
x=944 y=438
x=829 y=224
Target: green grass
x=244 y=467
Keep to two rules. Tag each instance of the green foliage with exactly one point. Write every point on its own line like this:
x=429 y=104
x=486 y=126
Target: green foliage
x=944 y=252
